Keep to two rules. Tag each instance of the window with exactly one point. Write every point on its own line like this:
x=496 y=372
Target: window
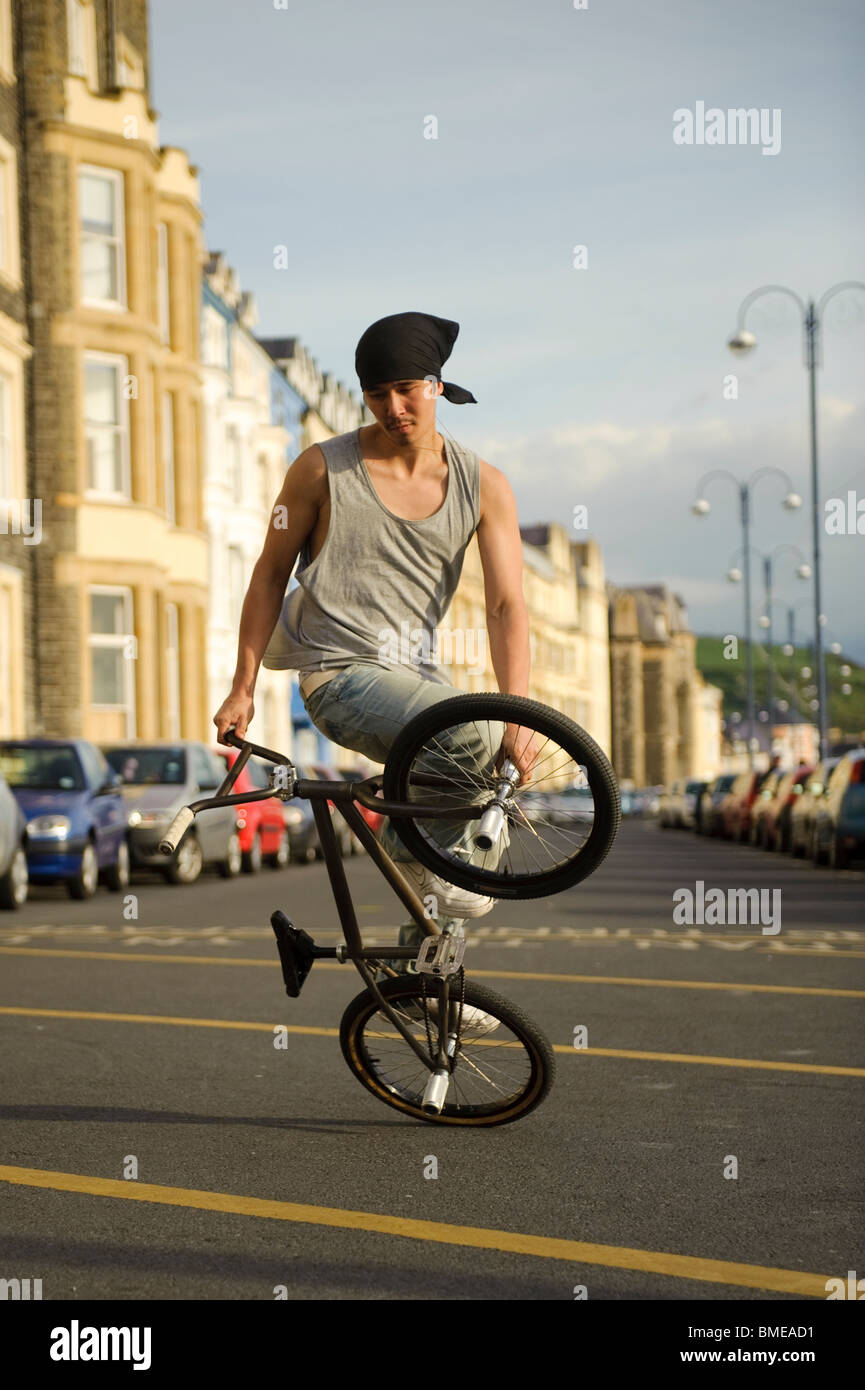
x=112 y=650
x=7 y=482
x=95 y=767
x=168 y=453
x=106 y=426
x=103 y=272
x=172 y=672
x=203 y=770
x=76 y=37
x=162 y=281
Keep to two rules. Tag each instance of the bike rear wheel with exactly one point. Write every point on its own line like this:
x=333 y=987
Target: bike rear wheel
x=498 y=1077
x=558 y=827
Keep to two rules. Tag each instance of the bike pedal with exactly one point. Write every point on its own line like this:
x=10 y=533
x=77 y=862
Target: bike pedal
x=296 y=952
x=440 y=955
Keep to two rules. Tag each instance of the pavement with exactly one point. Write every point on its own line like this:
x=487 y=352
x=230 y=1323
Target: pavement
x=706 y=1144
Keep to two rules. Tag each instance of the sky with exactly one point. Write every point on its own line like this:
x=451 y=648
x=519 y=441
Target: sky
x=601 y=376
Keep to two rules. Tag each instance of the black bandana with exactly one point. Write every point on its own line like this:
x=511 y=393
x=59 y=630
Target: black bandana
x=405 y=347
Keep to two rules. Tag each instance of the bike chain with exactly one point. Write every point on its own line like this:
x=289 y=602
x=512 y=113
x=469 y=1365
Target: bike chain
x=424 y=996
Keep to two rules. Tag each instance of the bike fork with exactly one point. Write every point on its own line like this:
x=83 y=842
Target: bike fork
x=442 y=956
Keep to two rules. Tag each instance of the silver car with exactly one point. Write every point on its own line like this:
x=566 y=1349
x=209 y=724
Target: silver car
x=157 y=779
x=569 y=805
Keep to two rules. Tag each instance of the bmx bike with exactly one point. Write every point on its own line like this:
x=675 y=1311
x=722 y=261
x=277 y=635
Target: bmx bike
x=431 y=1043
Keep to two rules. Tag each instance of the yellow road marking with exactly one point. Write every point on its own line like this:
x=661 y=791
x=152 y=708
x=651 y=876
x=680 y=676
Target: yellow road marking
x=684 y=1057
x=578 y=1252
x=548 y=977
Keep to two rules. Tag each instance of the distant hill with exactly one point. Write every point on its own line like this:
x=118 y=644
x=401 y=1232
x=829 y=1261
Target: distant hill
x=847 y=712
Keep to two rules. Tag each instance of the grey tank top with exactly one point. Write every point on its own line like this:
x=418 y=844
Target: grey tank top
x=379 y=586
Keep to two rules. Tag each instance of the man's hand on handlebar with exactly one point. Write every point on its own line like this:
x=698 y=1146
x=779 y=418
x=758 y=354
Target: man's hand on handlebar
x=237 y=710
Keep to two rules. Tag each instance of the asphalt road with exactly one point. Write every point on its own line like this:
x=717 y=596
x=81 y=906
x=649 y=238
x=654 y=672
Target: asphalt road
x=156 y=1145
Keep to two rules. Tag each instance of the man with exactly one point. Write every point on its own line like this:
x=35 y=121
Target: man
x=381 y=517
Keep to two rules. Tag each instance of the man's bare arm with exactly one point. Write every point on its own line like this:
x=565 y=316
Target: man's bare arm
x=501 y=554
x=303 y=493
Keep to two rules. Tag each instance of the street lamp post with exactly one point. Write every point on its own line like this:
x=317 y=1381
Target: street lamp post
x=701 y=507
x=803 y=571
x=741 y=342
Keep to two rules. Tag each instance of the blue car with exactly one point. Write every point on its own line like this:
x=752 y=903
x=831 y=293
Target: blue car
x=75 y=813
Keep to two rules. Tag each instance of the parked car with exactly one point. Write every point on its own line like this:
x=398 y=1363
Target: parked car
x=568 y=805
x=802 y=813
x=667 y=806
x=648 y=800
x=303 y=843
x=689 y=813
x=775 y=820
x=261 y=824
x=839 y=815
x=14 y=878
x=759 y=805
x=156 y=779
x=372 y=818
x=736 y=806
x=344 y=836
x=709 y=821
x=678 y=806
x=76 y=819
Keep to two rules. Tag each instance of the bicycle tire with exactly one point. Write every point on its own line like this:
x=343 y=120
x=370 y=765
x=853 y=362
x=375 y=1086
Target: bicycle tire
x=509 y=709
x=410 y=988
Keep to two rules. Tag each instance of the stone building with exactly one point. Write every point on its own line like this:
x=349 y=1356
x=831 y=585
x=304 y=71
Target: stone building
x=20 y=512
x=666 y=719
x=114 y=251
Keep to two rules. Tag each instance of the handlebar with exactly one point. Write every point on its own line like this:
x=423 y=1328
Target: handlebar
x=363 y=792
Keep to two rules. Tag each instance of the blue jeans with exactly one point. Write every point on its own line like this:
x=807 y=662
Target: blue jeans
x=364 y=708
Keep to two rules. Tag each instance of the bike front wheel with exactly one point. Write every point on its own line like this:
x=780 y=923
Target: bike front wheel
x=558 y=826
x=498 y=1076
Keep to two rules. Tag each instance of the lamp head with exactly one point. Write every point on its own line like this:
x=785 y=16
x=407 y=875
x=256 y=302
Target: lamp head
x=742 y=342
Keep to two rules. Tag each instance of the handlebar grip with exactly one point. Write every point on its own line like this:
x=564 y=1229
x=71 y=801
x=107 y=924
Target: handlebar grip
x=176 y=830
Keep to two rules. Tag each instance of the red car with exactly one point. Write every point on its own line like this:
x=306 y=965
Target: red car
x=735 y=812
x=261 y=824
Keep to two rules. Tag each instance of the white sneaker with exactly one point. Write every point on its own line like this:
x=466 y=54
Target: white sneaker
x=452 y=901
x=475 y=1023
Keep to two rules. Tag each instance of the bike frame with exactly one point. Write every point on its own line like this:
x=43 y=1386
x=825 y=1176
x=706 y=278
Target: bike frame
x=344 y=794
